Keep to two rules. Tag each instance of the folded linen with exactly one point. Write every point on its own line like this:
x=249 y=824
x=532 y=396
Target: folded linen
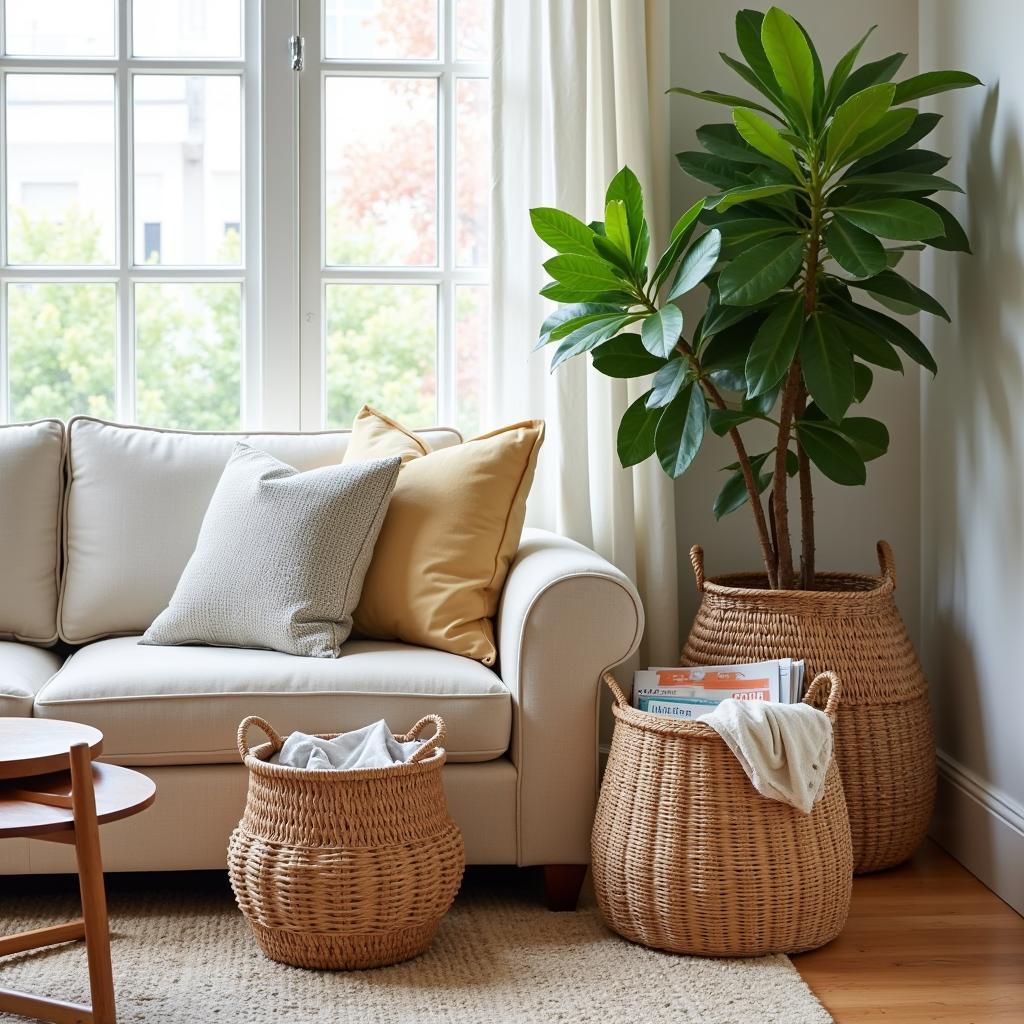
x=783 y=748
x=373 y=746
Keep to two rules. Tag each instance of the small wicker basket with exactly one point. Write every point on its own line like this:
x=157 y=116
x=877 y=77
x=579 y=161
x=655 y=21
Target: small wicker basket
x=345 y=869
x=689 y=857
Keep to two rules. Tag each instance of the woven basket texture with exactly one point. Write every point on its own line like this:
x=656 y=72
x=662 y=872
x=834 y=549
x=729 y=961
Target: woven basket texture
x=349 y=869
x=850 y=626
x=690 y=858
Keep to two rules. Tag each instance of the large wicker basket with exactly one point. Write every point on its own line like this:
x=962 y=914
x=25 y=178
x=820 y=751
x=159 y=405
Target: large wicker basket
x=689 y=857
x=851 y=626
x=345 y=869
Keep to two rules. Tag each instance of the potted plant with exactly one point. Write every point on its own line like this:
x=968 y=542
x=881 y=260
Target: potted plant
x=822 y=190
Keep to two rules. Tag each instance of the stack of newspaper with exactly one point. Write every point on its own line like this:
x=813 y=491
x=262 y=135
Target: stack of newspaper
x=695 y=691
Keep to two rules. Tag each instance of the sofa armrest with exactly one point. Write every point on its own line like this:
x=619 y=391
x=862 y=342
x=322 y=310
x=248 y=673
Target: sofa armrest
x=566 y=615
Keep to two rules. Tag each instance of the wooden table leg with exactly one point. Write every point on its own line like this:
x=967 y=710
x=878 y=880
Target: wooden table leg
x=90 y=880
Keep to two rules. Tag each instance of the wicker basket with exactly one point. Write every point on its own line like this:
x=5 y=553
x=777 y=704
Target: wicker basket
x=689 y=857
x=345 y=869
x=884 y=741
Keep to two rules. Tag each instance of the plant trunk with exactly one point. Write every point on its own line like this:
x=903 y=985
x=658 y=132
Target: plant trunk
x=780 y=496
x=806 y=506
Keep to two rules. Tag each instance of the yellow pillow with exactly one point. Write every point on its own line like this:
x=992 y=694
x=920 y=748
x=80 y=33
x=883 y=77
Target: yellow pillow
x=449 y=536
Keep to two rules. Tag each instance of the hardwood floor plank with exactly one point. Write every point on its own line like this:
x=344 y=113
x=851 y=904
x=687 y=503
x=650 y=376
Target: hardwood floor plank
x=926 y=943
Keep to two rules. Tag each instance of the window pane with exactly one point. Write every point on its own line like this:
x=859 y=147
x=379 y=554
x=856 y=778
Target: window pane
x=472 y=29
x=188 y=355
x=472 y=171
x=60 y=28
x=187 y=28
x=188 y=169
x=472 y=328
x=381 y=349
x=380 y=29
x=60 y=350
x=60 y=169
x=381 y=171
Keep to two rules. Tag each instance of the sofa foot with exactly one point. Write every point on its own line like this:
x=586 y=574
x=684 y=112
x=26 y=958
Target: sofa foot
x=562 y=884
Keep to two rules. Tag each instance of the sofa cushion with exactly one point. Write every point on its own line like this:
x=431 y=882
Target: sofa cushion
x=182 y=705
x=31 y=490
x=23 y=671
x=135 y=501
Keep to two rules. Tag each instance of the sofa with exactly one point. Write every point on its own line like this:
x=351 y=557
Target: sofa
x=97 y=521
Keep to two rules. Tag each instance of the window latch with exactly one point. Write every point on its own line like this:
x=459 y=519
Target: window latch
x=296 y=45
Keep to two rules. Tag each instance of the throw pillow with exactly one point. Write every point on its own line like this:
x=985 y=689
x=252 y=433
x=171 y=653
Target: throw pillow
x=281 y=556
x=449 y=536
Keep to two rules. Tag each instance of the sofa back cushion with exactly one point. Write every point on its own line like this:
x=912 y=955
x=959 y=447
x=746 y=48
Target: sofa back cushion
x=135 y=502
x=31 y=490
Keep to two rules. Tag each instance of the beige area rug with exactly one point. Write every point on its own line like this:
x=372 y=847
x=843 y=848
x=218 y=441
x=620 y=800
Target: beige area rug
x=183 y=955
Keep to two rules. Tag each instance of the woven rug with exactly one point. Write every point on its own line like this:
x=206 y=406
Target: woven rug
x=183 y=955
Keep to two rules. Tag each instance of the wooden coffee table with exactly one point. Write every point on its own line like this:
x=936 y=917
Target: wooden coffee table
x=51 y=790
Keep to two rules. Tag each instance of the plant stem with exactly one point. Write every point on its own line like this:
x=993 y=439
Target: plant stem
x=780 y=496
x=753 y=495
x=806 y=505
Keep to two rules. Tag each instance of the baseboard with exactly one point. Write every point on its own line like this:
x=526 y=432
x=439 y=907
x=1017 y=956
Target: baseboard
x=981 y=827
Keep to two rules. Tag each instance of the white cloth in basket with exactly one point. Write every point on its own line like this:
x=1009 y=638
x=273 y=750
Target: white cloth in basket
x=784 y=748
x=373 y=746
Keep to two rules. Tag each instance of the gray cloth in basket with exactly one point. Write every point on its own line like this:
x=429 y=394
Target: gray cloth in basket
x=373 y=746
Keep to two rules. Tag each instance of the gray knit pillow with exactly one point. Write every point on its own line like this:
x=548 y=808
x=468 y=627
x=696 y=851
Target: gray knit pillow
x=281 y=556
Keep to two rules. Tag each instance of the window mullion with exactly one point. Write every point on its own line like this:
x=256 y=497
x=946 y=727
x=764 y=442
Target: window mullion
x=124 y=379
x=446 y=396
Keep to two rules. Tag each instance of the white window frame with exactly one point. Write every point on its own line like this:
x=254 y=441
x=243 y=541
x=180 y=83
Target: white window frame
x=123 y=273
x=314 y=274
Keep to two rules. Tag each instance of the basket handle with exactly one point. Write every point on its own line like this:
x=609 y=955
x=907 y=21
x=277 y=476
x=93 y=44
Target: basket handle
x=834 y=694
x=432 y=744
x=260 y=723
x=617 y=694
x=886 y=562
x=697 y=561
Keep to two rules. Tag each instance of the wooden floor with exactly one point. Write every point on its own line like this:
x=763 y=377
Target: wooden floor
x=926 y=943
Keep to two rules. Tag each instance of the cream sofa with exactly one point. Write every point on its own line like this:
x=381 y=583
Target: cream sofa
x=97 y=521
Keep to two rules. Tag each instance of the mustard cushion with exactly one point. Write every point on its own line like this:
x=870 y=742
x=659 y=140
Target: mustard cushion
x=449 y=536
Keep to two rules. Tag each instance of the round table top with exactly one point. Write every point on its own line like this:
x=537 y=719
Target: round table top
x=120 y=793
x=35 y=746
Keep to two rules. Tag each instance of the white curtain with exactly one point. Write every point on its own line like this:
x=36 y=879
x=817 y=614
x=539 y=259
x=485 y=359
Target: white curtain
x=578 y=91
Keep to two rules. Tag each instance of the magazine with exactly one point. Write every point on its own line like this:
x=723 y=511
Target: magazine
x=690 y=692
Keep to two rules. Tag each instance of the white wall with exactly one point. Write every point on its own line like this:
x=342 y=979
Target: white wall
x=849 y=520
x=973 y=448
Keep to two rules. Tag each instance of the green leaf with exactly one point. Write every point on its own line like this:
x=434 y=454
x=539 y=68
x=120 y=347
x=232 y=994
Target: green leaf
x=616 y=227
x=681 y=234
x=902 y=181
x=790 y=58
x=587 y=337
x=660 y=331
x=842 y=71
x=726 y=99
x=827 y=367
x=871 y=74
x=759 y=134
x=869 y=437
x=855 y=250
x=893 y=331
x=586 y=273
x=892 y=125
x=832 y=454
x=722 y=421
x=719 y=317
x=761 y=271
x=891 y=285
x=955 y=238
x=558 y=292
x=902 y=219
x=563 y=232
x=748 y=37
x=572 y=312
x=863 y=378
x=621 y=262
x=698 y=262
x=774 y=346
x=743 y=232
x=747 y=194
x=667 y=383
x=624 y=357
x=932 y=82
x=914 y=161
x=635 y=438
x=564 y=329
x=680 y=431
x=723 y=140
x=866 y=344
x=921 y=125
x=713 y=170
x=858 y=114
x=625 y=187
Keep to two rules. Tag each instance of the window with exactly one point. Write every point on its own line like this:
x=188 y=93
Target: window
x=160 y=264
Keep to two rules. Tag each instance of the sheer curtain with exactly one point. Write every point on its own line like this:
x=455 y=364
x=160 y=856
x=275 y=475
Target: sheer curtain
x=578 y=92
